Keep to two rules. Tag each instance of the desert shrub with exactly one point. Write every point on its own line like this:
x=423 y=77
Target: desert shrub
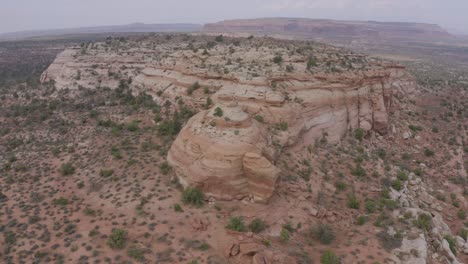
x=397 y=185
x=170 y=127
x=219 y=38
x=452 y=244
x=402 y=176
x=218 y=112
x=165 y=168
x=178 y=208
x=361 y=220
x=424 y=221
x=259 y=118
x=329 y=257
x=389 y=242
x=283 y=126
x=359 y=134
x=322 y=233
x=311 y=62
x=236 y=223
x=117 y=239
x=133 y=126
x=115 y=152
x=193 y=196
x=340 y=186
x=278 y=59
x=371 y=206
x=284 y=235
x=415 y=128
x=136 y=253
x=67 y=169
x=106 y=173
x=353 y=202
x=194 y=87
x=61 y=201
x=428 y=152
x=461 y=214
x=257 y=225
x=358 y=171
x=381 y=153
x=463 y=233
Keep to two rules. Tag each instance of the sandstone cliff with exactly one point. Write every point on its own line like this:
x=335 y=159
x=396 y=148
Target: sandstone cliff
x=264 y=95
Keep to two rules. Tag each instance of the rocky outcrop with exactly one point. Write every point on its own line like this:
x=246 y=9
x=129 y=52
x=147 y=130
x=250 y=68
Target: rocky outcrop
x=258 y=106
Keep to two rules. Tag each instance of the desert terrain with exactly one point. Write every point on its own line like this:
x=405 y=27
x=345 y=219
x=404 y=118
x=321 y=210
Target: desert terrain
x=194 y=148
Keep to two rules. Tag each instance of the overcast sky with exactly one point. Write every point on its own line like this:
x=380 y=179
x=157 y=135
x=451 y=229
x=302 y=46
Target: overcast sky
x=18 y=15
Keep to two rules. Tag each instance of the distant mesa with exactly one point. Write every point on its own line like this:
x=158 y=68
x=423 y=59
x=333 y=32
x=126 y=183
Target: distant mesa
x=330 y=28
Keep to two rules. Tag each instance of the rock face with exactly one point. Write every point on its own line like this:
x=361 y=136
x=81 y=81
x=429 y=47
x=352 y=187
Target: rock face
x=264 y=94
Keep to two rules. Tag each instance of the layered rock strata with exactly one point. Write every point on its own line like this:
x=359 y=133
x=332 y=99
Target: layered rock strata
x=265 y=95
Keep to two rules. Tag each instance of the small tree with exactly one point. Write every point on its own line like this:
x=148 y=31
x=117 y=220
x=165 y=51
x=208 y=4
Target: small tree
x=278 y=59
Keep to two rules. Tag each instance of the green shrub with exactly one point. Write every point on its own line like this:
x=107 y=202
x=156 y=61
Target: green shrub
x=424 y=221
x=340 y=186
x=359 y=171
x=359 y=134
x=361 y=220
x=106 y=173
x=117 y=239
x=218 y=112
x=236 y=223
x=371 y=206
x=61 y=201
x=178 y=208
x=329 y=257
x=67 y=169
x=311 y=62
x=136 y=253
x=194 y=87
x=388 y=241
x=165 y=168
x=278 y=59
x=397 y=185
x=461 y=214
x=452 y=244
x=115 y=152
x=428 y=152
x=193 y=196
x=463 y=233
x=402 y=176
x=257 y=225
x=284 y=235
x=133 y=126
x=259 y=118
x=323 y=233
x=283 y=126
x=353 y=202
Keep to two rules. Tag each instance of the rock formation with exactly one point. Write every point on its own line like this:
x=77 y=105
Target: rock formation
x=265 y=95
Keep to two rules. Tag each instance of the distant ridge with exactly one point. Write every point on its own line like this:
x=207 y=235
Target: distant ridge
x=331 y=29
x=130 y=28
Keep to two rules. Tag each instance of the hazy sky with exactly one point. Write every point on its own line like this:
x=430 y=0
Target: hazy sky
x=18 y=15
